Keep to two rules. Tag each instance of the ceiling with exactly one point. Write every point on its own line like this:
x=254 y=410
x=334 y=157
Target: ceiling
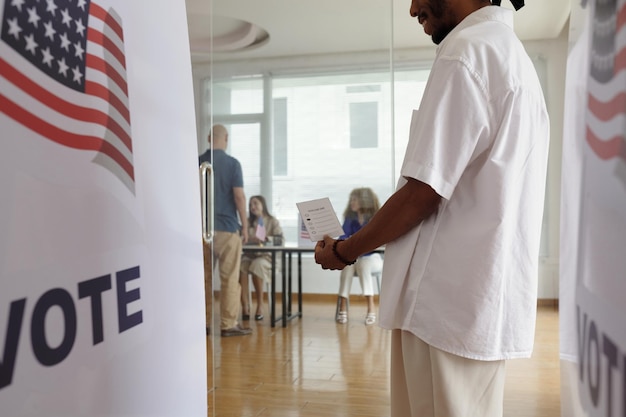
x=247 y=29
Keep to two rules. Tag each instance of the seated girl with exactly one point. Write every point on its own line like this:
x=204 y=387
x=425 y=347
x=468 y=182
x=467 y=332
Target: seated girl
x=264 y=229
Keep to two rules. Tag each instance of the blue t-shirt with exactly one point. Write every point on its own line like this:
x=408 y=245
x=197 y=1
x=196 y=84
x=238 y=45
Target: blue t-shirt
x=351 y=225
x=227 y=174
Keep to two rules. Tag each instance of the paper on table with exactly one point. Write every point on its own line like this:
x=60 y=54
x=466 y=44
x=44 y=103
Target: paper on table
x=320 y=219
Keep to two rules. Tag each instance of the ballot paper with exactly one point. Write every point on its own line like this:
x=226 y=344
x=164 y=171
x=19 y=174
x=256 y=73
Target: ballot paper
x=320 y=219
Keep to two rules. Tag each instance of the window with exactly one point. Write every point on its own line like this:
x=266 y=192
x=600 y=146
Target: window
x=330 y=133
x=243 y=95
x=327 y=134
x=280 y=137
x=364 y=125
x=337 y=129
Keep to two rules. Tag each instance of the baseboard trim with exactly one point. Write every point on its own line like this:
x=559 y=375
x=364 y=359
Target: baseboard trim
x=355 y=298
x=548 y=302
x=314 y=297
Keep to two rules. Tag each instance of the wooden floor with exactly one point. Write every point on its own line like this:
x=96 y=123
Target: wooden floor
x=316 y=368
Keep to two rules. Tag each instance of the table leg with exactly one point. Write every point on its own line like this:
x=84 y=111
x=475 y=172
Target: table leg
x=284 y=289
x=300 y=283
x=289 y=292
x=272 y=295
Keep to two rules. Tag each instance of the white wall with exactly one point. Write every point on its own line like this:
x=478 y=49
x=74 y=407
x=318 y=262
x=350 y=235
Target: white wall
x=555 y=55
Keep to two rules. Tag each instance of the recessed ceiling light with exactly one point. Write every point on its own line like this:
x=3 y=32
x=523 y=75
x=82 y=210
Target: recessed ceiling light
x=225 y=35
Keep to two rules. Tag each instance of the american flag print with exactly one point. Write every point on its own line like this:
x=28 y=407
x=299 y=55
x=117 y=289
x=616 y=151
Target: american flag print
x=304 y=233
x=606 y=101
x=260 y=232
x=63 y=76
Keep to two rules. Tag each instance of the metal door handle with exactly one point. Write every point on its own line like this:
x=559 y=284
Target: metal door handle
x=206 y=195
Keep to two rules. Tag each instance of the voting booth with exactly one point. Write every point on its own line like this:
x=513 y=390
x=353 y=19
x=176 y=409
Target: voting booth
x=102 y=291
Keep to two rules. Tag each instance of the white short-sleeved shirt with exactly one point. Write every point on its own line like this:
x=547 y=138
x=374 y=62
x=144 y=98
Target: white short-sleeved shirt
x=465 y=280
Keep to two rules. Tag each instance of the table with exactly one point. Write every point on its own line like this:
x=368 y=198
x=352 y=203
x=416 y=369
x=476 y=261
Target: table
x=286 y=254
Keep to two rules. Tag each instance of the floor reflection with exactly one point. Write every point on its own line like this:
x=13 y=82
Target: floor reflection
x=314 y=367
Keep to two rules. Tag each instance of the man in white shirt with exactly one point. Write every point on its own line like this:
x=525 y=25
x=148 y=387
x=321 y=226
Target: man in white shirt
x=463 y=227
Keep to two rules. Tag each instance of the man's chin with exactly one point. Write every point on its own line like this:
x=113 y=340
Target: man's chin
x=438 y=37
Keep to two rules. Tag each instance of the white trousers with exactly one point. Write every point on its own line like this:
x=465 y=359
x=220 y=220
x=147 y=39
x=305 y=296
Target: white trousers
x=428 y=382
x=364 y=267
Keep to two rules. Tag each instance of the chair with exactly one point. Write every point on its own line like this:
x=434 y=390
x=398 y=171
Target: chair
x=268 y=291
x=377 y=275
x=268 y=288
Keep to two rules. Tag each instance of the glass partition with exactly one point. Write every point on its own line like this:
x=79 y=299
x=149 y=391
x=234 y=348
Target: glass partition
x=311 y=121
x=306 y=126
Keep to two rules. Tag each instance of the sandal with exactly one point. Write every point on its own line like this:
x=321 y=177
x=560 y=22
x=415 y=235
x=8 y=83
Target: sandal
x=370 y=319
x=342 y=317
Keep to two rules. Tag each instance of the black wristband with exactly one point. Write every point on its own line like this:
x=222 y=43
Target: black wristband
x=341 y=258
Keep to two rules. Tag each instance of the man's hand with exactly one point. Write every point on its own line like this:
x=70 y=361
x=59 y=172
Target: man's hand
x=324 y=254
x=404 y=210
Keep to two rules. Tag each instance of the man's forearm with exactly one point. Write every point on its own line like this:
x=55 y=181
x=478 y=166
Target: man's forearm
x=403 y=211
x=241 y=209
x=240 y=204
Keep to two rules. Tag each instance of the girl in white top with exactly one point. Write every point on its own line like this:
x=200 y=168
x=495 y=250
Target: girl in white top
x=362 y=205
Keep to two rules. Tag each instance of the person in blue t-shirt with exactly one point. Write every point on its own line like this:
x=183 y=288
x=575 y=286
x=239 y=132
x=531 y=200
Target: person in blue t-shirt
x=362 y=205
x=229 y=210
